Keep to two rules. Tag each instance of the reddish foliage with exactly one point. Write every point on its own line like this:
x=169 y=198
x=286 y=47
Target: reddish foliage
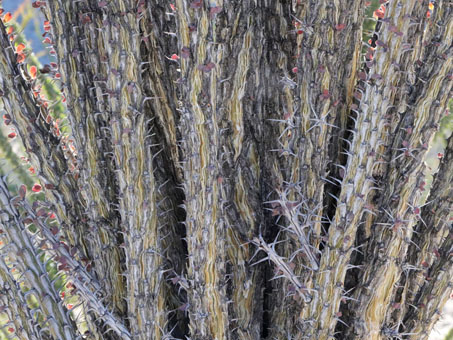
x=45 y=69
x=36 y=188
x=206 y=68
x=192 y=27
x=7 y=119
x=85 y=18
x=215 y=10
x=33 y=71
x=20 y=58
x=362 y=75
x=54 y=230
x=196 y=4
x=379 y=13
x=22 y=191
x=185 y=52
x=7 y=17
x=325 y=94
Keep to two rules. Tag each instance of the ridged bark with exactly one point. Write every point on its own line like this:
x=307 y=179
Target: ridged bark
x=235 y=170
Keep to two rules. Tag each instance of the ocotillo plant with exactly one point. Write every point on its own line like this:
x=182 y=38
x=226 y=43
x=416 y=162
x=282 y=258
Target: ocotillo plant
x=235 y=170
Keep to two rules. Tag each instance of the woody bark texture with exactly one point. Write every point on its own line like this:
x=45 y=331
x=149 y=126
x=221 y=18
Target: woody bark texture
x=234 y=170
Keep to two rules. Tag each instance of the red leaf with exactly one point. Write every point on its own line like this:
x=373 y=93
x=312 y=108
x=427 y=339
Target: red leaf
x=206 y=68
x=22 y=191
x=28 y=221
x=192 y=27
x=85 y=19
x=325 y=94
x=196 y=4
x=295 y=69
x=47 y=41
x=214 y=10
x=379 y=14
x=20 y=58
x=174 y=57
x=7 y=17
x=340 y=27
x=54 y=230
x=33 y=71
x=381 y=43
x=36 y=188
x=20 y=47
x=36 y=4
x=45 y=69
x=210 y=66
x=12 y=135
x=185 y=52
